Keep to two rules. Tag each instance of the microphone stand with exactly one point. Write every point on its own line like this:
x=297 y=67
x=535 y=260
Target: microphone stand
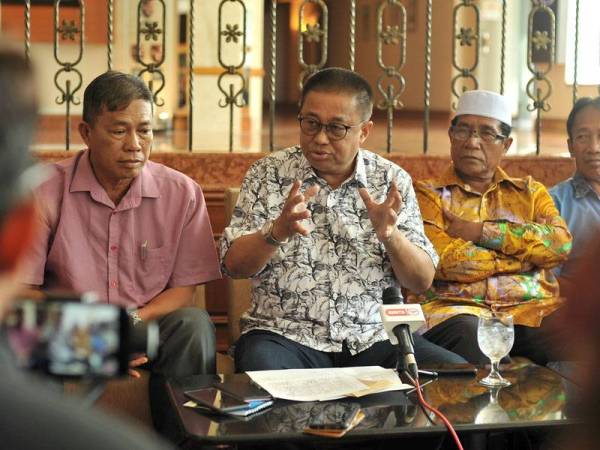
x=402 y=370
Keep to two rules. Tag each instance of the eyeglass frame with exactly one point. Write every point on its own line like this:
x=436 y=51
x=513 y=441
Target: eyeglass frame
x=476 y=132
x=327 y=125
x=586 y=138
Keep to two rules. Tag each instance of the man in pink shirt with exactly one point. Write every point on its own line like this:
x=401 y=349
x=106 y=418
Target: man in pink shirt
x=134 y=232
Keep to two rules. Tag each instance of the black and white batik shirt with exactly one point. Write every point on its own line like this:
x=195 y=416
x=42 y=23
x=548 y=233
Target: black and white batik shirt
x=325 y=288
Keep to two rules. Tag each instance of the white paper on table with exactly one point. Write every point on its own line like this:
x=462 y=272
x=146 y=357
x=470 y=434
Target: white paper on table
x=326 y=384
x=375 y=375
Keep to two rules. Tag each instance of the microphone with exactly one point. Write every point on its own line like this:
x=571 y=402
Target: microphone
x=399 y=321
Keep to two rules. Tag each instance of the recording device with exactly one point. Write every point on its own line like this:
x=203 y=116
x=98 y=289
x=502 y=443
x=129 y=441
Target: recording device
x=76 y=340
x=399 y=321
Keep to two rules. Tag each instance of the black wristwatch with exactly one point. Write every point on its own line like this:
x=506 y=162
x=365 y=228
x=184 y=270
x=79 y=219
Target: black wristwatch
x=267 y=234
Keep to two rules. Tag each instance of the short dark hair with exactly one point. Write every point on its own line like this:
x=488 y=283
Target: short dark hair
x=18 y=116
x=114 y=91
x=505 y=129
x=336 y=79
x=580 y=104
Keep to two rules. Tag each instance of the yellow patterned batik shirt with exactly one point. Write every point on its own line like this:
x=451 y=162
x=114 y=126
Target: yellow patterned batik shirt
x=509 y=268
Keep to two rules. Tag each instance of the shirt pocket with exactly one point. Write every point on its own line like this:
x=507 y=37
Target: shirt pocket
x=152 y=274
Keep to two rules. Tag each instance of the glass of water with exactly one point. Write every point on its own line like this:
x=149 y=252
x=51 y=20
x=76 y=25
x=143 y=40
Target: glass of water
x=493 y=411
x=495 y=335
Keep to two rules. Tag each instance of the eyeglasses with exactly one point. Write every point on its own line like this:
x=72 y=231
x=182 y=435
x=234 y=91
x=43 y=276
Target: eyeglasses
x=335 y=131
x=486 y=135
x=585 y=138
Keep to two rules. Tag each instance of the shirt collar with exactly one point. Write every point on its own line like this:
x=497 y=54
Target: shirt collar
x=148 y=181
x=581 y=186
x=84 y=180
x=305 y=170
x=359 y=176
x=360 y=173
x=450 y=178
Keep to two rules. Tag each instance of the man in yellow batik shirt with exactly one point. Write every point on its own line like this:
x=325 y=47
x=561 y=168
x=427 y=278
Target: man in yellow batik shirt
x=497 y=238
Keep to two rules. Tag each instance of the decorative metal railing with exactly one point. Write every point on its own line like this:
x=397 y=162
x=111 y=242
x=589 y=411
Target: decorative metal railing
x=68 y=30
x=393 y=35
x=427 y=77
x=28 y=28
x=272 y=74
x=232 y=34
x=575 y=53
x=540 y=59
x=503 y=48
x=464 y=36
x=191 y=42
x=391 y=38
x=151 y=61
x=109 y=35
x=316 y=32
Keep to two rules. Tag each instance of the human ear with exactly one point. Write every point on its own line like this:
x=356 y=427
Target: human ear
x=571 y=149
x=507 y=143
x=365 y=130
x=84 y=131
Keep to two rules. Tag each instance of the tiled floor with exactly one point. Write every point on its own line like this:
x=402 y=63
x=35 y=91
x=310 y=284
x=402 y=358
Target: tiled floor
x=407 y=136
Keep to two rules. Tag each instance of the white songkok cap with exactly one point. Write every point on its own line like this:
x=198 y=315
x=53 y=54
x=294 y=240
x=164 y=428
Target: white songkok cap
x=486 y=104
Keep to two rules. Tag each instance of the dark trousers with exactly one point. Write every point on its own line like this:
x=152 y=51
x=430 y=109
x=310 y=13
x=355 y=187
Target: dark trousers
x=540 y=344
x=264 y=350
x=187 y=347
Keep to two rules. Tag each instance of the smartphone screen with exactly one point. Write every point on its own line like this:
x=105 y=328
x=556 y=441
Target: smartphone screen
x=68 y=339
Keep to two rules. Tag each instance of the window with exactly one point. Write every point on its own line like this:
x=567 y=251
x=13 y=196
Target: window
x=588 y=61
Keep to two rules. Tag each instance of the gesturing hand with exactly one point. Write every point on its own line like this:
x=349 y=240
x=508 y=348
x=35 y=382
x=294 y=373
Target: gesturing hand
x=463 y=229
x=383 y=215
x=294 y=210
x=137 y=361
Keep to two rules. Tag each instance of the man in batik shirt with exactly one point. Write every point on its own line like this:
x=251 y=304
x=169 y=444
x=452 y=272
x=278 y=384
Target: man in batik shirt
x=497 y=238
x=322 y=229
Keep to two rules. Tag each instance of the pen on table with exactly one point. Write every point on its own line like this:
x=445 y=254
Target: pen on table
x=143 y=250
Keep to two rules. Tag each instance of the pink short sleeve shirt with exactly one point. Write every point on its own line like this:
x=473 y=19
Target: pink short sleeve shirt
x=159 y=235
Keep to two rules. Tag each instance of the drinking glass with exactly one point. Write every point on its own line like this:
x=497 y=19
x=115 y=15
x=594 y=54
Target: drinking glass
x=495 y=335
x=492 y=412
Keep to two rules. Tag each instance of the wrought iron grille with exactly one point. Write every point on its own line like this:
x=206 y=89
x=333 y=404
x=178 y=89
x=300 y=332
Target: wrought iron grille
x=465 y=37
x=316 y=32
x=389 y=34
x=232 y=34
x=540 y=59
x=232 y=82
x=68 y=30
x=151 y=61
